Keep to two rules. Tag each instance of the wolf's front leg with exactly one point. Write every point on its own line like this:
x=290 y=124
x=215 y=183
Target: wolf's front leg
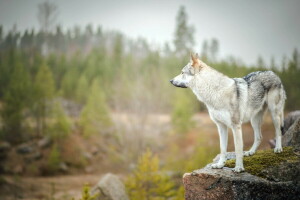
x=238 y=145
x=223 y=134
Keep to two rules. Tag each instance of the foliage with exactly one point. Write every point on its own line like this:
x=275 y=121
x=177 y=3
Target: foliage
x=43 y=94
x=147 y=181
x=263 y=159
x=184 y=108
x=85 y=194
x=54 y=159
x=16 y=99
x=95 y=115
x=184 y=38
x=61 y=125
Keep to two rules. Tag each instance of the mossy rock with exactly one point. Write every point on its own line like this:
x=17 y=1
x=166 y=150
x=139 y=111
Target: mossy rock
x=264 y=161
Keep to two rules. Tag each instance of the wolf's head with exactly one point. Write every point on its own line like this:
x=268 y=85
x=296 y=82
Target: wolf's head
x=187 y=73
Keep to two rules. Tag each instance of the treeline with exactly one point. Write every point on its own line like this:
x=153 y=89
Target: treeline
x=85 y=74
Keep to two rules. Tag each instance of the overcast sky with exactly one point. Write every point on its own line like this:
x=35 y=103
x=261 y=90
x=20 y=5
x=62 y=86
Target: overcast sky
x=244 y=29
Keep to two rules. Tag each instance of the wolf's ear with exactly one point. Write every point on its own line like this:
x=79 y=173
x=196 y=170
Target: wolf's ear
x=194 y=57
x=195 y=62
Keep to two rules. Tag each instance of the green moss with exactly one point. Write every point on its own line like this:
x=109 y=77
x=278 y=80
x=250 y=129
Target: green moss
x=265 y=158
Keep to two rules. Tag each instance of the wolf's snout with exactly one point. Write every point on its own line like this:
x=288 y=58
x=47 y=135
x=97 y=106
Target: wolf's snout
x=171 y=81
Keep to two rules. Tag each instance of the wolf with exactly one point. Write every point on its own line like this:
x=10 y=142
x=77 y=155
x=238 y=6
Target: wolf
x=234 y=101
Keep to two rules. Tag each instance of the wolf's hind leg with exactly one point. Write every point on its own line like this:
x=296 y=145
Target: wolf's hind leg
x=256 y=122
x=223 y=134
x=276 y=104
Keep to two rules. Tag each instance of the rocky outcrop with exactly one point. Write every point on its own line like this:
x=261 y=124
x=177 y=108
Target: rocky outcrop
x=292 y=136
x=279 y=179
x=110 y=187
x=219 y=184
x=289 y=120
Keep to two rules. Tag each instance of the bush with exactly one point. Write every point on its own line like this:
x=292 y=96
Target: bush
x=54 y=160
x=147 y=181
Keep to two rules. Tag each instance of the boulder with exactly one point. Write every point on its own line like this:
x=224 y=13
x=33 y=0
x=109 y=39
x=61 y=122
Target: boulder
x=278 y=181
x=44 y=142
x=290 y=119
x=110 y=187
x=25 y=149
x=292 y=135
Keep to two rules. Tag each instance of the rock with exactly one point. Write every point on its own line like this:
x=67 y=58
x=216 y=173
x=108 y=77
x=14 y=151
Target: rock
x=280 y=182
x=87 y=155
x=45 y=142
x=33 y=156
x=24 y=149
x=110 y=187
x=63 y=167
x=292 y=136
x=290 y=119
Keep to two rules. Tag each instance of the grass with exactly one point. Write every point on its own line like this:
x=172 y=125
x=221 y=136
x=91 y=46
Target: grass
x=263 y=159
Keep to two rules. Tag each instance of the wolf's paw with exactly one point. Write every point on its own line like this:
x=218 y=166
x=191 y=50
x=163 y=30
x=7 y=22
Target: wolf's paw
x=249 y=153
x=278 y=150
x=238 y=169
x=217 y=165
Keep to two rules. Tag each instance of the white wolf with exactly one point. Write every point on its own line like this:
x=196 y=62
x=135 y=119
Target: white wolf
x=234 y=101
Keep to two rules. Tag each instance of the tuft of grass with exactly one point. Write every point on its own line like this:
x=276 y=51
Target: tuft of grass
x=264 y=159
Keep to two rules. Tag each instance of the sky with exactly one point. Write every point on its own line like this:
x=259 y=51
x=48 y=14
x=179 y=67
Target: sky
x=245 y=29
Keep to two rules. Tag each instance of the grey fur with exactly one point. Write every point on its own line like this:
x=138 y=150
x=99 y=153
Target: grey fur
x=234 y=101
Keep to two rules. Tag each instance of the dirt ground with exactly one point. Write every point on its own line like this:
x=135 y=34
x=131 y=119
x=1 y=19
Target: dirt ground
x=68 y=186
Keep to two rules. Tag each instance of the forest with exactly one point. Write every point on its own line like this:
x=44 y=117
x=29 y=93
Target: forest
x=87 y=89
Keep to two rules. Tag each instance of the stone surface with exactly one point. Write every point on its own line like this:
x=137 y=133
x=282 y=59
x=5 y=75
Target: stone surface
x=282 y=182
x=110 y=187
x=290 y=119
x=24 y=149
x=292 y=135
x=44 y=142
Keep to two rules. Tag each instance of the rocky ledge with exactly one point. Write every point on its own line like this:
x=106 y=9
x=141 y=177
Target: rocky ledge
x=279 y=182
x=267 y=175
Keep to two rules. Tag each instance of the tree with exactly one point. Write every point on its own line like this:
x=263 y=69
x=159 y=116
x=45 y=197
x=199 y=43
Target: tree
x=61 y=126
x=16 y=99
x=147 y=181
x=95 y=115
x=260 y=62
x=214 y=49
x=82 y=89
x=273 y=64
x=43 y=94
x=204 y=51
x=47 y=14
x=184 y=38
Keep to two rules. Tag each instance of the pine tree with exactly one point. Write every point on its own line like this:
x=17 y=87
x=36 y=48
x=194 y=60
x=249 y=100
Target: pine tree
x=82 y=89
x=214 y=49
x=95 y=116
x=61 y=126
x=16 y=99
x=184 y=33
x=43 y=94
x=147 y=181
